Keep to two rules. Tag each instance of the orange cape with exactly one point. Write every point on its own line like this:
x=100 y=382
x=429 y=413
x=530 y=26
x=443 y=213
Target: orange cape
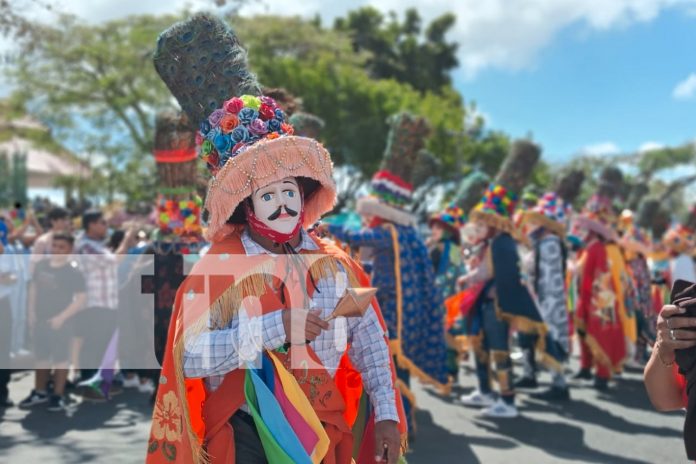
x=190 y=423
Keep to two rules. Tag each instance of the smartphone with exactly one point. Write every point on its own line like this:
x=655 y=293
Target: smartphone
x=683 y=291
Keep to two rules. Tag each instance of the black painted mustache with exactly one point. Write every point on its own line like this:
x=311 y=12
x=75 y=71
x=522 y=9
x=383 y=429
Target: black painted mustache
x=279 y=211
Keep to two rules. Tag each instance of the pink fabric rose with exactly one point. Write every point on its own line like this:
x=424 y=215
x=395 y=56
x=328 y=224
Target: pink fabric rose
x=233 y=105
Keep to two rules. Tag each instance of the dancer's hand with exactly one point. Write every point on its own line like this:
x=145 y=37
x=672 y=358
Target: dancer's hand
x=387 y=442
x=57 y=322
x=462 y=282
x=302 y=326
x=674 y=331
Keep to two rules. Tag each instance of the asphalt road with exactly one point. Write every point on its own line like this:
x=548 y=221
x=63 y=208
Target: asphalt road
x=614 y=427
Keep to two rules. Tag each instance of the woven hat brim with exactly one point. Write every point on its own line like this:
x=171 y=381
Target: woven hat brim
x=374 y=207
x=264 y=163
x=598 y=227
x=500 y=223
x=536 y=218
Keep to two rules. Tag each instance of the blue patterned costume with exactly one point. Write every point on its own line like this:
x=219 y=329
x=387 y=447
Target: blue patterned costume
x=422 y=331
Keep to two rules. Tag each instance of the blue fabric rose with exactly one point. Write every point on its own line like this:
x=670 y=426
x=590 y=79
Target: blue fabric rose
x=274 y=125
x=222 y=142
x=279 y=114
x=212 y=134
x=240 y=133
x=205 y=127
x=246 y=115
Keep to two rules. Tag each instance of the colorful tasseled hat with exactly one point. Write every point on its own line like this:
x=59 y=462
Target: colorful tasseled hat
x=551 y=212
x=244 y=137
x=497 y=207
x=452 y=218
x=390 y=197
x=405 y=166
x=391 y=189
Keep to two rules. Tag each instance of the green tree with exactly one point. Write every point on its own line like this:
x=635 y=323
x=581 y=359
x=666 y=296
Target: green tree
x=321 y=67
x=403 y=50
x=96 y=87
x=95 y=84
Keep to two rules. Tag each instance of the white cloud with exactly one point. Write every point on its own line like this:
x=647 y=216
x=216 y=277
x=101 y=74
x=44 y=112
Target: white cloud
x=649 y=146
x=601 y=149
x=506 y=34
x=685 y=89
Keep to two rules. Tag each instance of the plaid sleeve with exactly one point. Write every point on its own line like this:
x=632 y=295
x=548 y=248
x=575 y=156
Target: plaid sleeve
x=370 y=355
x=218 y=351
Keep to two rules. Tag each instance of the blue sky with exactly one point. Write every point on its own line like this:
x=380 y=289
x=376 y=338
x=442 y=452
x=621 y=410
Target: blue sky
x=583 y=76
x=598 y=91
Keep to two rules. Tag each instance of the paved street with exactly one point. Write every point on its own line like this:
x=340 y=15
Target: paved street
x=617 y=427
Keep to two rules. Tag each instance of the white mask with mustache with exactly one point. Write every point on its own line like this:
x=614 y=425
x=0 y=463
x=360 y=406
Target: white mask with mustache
x=278 y=205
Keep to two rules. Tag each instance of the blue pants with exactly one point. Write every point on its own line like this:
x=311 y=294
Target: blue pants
x=496 y=348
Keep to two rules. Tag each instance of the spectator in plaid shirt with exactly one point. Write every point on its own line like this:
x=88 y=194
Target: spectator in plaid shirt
x=97 y=322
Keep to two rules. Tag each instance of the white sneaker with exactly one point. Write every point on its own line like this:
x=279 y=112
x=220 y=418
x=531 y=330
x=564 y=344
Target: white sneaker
x=478 y=399
x=131 y=382
x=147 y=387
x=501 y=410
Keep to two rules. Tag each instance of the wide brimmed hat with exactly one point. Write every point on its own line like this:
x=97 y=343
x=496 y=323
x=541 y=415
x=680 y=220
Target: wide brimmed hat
x=264 y=163
x=244 y=138
x=551 y=212
x=451 y=218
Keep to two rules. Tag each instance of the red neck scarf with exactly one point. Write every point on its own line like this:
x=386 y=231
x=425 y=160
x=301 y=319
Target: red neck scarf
x=262 y=229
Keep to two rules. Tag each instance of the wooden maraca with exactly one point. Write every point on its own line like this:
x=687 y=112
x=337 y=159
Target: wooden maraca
x=353 y=303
